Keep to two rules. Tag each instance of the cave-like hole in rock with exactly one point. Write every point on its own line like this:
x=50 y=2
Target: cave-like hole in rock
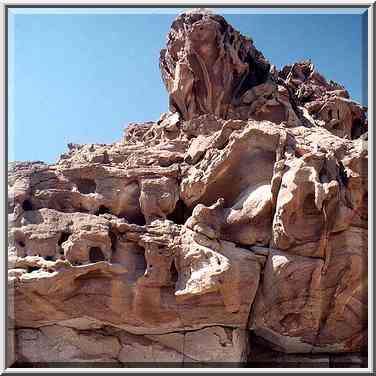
x=113 y=239
x=180 y=213
x=137 y=220
x=102 y=210
x=309 y=205
x=141 y=221
x=96 y=254
x=136 y=261
x=63 y=238
x=260 y=346
x=49 y=258
x=86 y=186
x=27 y=206
x=356 y=128
x=257 y=75
x=21 y=243
x=343 y=174
x=173 y=273
x=106 y=158
x=324 y=175
x=32 y=268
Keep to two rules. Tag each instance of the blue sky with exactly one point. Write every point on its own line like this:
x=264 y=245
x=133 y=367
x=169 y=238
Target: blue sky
x=81 y=76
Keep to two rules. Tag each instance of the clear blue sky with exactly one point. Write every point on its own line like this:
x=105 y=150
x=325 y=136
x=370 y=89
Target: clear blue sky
x=81 y=76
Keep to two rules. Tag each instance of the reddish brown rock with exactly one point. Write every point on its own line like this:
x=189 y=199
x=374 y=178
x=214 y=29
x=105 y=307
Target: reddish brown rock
x=327 y=102
x=301 y=307
x=244 y=208
x=57 y=345
x=287 y=308
x=207 y=65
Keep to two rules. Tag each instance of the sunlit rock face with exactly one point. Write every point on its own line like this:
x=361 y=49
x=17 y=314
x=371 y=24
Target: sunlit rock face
x=241 y=213
x=207 y=65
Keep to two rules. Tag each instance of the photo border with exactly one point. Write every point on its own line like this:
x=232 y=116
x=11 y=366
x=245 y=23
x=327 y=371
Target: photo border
x=4 y=9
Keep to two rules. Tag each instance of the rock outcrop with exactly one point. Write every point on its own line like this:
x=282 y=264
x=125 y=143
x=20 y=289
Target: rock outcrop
x=241 y=212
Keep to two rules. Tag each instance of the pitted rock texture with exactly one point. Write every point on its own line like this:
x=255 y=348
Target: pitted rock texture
x=241 y=210
x=207 y=65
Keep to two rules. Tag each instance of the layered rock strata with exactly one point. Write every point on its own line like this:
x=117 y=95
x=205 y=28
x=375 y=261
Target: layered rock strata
x=241 y=210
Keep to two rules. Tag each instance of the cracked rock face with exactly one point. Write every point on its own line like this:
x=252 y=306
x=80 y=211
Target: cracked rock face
x=243 y=210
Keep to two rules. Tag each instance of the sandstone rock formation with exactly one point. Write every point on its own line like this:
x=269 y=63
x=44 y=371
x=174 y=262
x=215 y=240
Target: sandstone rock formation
x=242 y=211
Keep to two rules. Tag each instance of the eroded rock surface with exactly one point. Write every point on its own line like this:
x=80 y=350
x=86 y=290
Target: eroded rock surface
x=242 y=209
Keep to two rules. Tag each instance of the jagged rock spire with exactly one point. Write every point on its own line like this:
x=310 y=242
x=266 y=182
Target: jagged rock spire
x=207 y=65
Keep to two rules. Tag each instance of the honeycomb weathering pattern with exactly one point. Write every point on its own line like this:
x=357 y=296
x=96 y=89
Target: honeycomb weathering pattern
x=241 y=210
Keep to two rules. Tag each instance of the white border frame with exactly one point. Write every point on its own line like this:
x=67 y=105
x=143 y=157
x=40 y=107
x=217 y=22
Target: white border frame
x=178 y=4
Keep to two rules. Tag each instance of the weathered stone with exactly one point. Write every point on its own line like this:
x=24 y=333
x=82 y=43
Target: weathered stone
x=136 y=279
x=57 y=344
x=327 y=102
x=299 y=308
x=207 y=65
x=287 y=308
x=158 y=197
x=244 y=207
x=216 y=345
